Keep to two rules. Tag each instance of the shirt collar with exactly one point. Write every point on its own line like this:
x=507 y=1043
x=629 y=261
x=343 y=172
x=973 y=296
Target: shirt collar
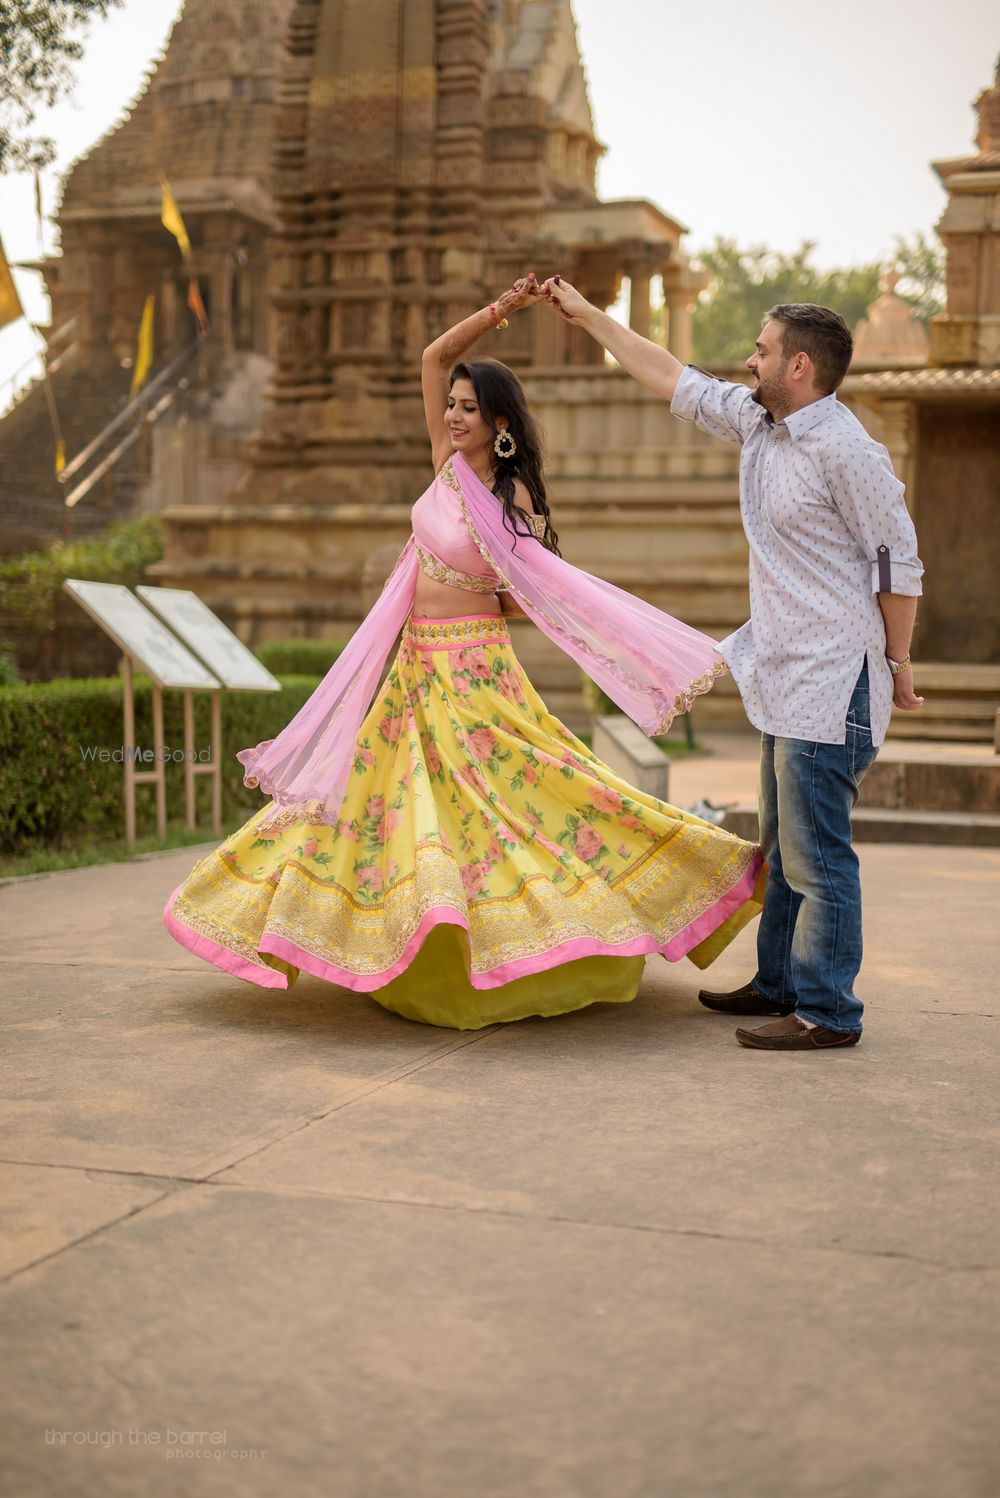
x=798 y=423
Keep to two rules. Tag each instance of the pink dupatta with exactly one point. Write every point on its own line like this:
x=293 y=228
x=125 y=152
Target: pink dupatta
x=649 y=663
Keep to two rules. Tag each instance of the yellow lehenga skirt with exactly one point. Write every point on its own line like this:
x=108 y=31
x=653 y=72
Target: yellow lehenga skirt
x=485 y=865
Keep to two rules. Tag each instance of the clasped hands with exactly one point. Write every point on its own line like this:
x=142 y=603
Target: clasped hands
x=559 y=294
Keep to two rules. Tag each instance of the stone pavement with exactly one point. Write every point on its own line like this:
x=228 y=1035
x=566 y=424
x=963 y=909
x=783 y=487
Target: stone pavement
x=299 y=1244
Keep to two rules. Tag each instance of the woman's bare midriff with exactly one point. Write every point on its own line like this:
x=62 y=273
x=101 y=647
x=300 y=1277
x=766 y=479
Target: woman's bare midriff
x=434 y=600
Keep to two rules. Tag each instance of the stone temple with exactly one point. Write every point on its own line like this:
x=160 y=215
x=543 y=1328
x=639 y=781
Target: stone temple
x=356 y=177
x=425 y=155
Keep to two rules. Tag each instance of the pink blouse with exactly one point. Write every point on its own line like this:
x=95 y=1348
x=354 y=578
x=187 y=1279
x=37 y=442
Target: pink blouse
x=445 y=550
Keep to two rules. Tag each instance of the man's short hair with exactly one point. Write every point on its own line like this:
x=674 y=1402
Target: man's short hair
x=819 y=332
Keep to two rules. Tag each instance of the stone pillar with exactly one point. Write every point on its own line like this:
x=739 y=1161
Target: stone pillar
x=638 y=301
x=99 y=307
x=549 y=331
x=221 y=279
x=899 y=434
x=678 y=320
x=681 y=286
x=169 y=330
x=246 y=333
x=639 y=262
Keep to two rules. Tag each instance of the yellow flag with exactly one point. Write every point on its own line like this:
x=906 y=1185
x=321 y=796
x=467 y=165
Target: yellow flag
x=170 y=218
x=10 y=302
x=60 y=456
x=144 y=353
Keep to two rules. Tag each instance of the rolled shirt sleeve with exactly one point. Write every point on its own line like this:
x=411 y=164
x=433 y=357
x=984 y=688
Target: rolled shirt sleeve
x=717 y=407
x=869 y=499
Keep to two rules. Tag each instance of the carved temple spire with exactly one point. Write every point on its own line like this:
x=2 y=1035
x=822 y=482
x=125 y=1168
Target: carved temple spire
x=969 y=332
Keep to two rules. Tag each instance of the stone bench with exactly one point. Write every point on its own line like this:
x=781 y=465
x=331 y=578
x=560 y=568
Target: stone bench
x=626 y=750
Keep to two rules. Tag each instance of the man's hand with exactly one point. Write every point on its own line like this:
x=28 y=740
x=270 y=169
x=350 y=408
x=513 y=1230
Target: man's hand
x=903 y=695
x=645 y=361
x=566 y=299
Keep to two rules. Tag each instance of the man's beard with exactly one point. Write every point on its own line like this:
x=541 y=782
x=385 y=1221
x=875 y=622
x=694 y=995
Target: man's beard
x=771 y=397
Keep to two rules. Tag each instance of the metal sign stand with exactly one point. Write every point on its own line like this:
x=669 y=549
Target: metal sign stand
x=157 y=776
x=133 y=776
x=170 y=657
x=214 y=766
x=148 y=646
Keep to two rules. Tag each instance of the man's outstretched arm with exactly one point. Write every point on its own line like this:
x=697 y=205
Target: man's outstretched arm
x=647 y=362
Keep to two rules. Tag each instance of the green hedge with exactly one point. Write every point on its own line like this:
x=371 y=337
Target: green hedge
x=9 y=674
x=298 y=657
x=31 y=583
x=47 y=788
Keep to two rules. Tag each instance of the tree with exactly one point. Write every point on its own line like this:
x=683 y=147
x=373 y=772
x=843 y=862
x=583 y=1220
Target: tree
x=920 y=262
x=39 y=42
x=744 y=283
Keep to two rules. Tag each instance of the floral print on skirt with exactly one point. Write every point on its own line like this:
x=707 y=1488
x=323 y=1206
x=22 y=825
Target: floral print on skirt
x=485 y=865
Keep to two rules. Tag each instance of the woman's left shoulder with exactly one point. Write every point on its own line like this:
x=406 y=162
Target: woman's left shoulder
x=522 y=497
x=522 y=500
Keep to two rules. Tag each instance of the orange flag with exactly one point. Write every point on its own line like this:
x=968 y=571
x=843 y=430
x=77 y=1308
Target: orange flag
x=197 y=306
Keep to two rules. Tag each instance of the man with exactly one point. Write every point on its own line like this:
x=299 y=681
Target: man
x=834 y=580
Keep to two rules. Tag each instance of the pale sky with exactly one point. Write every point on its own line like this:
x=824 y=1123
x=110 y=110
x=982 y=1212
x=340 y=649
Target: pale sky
x=770 y=122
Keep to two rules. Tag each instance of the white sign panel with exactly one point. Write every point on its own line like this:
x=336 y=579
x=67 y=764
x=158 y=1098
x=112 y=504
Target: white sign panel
x=191 y=618
x=141 y=635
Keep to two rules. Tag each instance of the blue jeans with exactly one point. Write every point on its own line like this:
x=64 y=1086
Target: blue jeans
x=809 y=937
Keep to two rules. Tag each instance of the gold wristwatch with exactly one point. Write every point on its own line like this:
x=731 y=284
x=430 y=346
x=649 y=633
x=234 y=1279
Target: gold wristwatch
x=896 y=666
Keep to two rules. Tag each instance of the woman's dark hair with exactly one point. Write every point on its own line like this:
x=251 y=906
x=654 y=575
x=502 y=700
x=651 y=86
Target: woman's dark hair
x=500 y=393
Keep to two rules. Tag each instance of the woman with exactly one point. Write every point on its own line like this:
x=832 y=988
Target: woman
x=455 y=851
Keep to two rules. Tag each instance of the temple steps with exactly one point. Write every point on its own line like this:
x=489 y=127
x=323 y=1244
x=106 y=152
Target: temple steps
x=578 y=512
x=678 y=590
x=32 y=501
x=971 y=722
x=637 y=577
x=874 y=825
x=652 y=491
x=960 y=703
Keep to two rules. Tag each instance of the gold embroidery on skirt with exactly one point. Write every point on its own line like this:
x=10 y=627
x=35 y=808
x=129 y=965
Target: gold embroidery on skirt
x=662 y=896
x=460 y=632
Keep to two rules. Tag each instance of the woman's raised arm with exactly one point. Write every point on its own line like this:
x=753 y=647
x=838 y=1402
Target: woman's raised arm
x=439 y=356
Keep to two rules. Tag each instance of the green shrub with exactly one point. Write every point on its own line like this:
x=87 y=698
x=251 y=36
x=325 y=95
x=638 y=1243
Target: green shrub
x=48 y=789
x=298 y=657
x=597 y=701
x=600 y=705
x=31 y=583
x=9 y=674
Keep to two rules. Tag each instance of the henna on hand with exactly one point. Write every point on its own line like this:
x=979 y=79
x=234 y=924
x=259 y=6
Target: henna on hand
x=456 y=341
x=521 y=294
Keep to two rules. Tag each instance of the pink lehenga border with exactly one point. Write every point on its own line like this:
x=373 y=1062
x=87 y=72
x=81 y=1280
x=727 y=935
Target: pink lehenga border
x=278 y=946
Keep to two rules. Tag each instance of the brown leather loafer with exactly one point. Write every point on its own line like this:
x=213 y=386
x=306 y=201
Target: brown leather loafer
x=790 y=1034
x=745 y=1000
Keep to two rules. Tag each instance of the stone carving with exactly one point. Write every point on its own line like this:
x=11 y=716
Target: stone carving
x=890 y=335
x=970 y=229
